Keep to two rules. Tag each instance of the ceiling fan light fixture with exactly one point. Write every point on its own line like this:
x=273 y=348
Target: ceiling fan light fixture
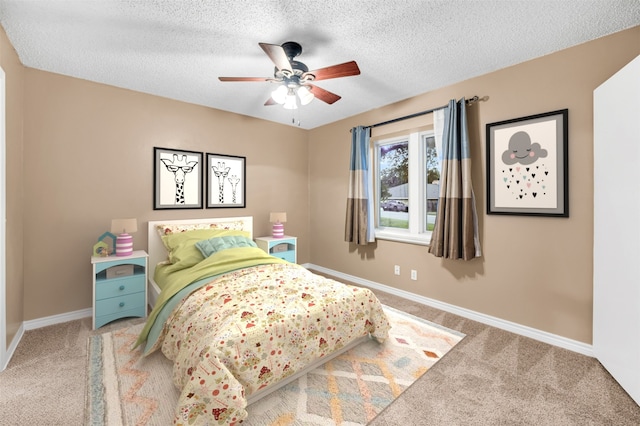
x=305 y=95
x=280 y=94
x=290 y=101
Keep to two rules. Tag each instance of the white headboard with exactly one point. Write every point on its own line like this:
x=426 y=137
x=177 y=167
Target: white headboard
x=157 y=251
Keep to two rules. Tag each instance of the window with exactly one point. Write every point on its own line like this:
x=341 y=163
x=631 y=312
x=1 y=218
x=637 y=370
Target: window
x=407 y=175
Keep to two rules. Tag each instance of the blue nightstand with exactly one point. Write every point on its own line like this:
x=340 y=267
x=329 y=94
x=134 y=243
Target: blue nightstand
x=284 y=248
x=119 y=287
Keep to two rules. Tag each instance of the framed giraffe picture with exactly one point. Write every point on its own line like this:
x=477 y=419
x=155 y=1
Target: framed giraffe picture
x=226 y=181
x=177 y=177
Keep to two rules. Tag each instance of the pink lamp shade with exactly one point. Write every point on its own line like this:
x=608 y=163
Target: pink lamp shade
x=278 y=219
x=124 y=241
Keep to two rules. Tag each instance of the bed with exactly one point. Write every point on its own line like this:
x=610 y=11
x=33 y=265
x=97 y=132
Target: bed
x=238 y=323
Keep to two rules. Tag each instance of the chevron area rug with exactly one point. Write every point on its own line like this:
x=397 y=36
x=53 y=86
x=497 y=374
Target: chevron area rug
x=126 y=389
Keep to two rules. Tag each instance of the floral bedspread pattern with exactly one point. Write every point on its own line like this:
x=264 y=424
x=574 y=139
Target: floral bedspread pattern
x=253 y=327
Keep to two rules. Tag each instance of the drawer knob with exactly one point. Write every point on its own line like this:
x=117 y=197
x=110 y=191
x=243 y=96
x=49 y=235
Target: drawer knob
x=121 y=287
x=121 y=304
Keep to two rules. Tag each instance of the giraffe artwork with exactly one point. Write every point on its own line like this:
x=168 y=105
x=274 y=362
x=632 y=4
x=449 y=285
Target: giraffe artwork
x=221 y=173
x=226 y=183
x=178 y=179
x=233 y=180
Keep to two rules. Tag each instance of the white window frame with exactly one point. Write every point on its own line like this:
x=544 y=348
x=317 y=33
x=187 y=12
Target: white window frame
x=417 y=232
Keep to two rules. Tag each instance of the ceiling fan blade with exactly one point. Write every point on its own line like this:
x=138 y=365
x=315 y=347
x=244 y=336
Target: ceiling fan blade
x=323 y=95
x=244 y=79
x=270 y=101
x=341 y=70
x=277 y=55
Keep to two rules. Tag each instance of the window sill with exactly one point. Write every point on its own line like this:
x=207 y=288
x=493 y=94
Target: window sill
x=404 y=237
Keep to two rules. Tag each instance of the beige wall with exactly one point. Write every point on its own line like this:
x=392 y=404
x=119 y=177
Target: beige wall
x=536 y=271
x=88 y=158
x=14 y=76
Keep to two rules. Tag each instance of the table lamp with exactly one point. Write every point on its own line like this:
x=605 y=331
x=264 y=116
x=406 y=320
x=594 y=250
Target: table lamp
x=278 y=219
x=124 y=241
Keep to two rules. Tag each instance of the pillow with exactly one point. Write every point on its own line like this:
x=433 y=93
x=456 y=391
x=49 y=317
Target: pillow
x=182 y=249
x=175 y=228
x=214 y=245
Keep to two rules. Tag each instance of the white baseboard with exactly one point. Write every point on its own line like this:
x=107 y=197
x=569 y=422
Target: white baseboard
x=542 y=336
x=42 y=322
x=12 y=347
x=57 y=319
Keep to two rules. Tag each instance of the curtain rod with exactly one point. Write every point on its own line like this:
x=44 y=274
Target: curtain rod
x=417 y=114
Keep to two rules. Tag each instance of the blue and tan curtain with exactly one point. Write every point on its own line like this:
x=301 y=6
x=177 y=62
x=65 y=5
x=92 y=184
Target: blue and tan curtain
x=455 y=233
x=359 y=227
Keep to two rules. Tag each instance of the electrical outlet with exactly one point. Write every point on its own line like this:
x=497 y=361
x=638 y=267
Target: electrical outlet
x=396 y=269
x=414 y=274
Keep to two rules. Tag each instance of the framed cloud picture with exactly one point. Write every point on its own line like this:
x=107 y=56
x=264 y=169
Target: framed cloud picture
x=226 y=181
x=527 y=165
x=177 y=177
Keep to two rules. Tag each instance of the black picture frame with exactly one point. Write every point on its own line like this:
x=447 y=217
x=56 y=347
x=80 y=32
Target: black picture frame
x=177 y=179
x=527 y=165
x=226 y=181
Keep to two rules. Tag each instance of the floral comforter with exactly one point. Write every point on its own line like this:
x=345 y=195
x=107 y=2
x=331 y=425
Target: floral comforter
x=250 y=328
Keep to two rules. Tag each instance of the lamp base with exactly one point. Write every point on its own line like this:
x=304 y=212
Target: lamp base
x=278 y=230
x=124 y=245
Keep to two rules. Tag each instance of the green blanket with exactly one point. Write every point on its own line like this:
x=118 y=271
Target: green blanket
x=217 y=264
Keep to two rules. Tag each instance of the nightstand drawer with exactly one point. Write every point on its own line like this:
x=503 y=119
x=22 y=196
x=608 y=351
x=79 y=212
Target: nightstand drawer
x=120 y=304
x=289 y=256
x=119 y=286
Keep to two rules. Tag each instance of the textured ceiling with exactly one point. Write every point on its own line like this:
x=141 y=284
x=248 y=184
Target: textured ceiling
x=178 y=49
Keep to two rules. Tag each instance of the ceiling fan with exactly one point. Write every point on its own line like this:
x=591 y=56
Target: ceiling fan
x=294 y=77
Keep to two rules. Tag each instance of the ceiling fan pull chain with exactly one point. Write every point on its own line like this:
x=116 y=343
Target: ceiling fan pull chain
x=293 y=117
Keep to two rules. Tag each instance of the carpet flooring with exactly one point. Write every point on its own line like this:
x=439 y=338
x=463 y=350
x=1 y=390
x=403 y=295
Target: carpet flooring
x=125 y=388
x=492 y=377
